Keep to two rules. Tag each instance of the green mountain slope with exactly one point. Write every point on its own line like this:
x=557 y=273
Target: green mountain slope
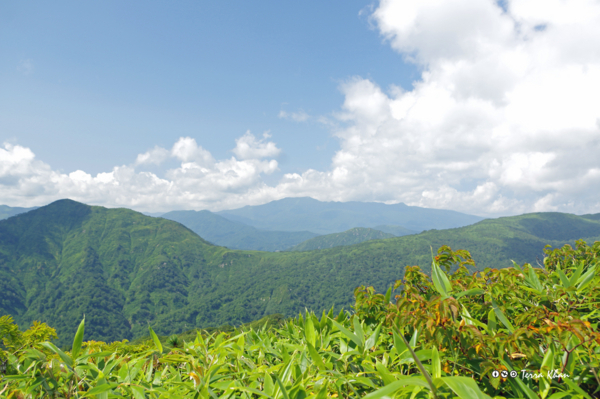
x=349 y=237
x=299 y=214
x=8 y=211
x=124 y=270
x=236 y=235
x=394 y=230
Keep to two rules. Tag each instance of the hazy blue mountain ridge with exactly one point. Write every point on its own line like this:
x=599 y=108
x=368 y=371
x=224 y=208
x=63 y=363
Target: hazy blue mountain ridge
x=308 y=214
x=236 y=235
x=8 y=211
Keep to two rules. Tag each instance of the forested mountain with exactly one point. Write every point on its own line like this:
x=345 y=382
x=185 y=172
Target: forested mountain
x=124 y=270
x=236 y=235
x=397 y=231
x=349 y=237
x=8 y=211
x=308 y=214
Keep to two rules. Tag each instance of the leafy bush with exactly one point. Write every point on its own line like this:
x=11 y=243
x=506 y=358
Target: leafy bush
x=444 y=336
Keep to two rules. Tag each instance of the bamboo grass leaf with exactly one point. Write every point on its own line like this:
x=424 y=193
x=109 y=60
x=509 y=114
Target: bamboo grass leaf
x=584 y=280
x=77 y=341
x=157 y=343
x=347 y=333
x=464 y=388
x=358 y=330
x=502 y=317
x=577 y=273
x=474 y=291
x=436 y=364
x=563 y=278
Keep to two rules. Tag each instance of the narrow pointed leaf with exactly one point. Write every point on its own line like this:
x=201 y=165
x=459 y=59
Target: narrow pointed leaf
x=474 y=291
x=78 y=340
x=347 y=333
x=465 y=388
x=436 y=364
x=502 y=317
x=157 y=343
x=563 y=278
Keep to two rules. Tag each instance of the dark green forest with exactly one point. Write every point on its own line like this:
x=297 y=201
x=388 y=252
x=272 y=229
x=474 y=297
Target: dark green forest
x=125 y=271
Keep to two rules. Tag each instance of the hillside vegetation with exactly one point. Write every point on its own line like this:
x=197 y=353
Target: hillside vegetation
x=349 y=237
x=236 y=235
x=518 y=332
x=124 y=270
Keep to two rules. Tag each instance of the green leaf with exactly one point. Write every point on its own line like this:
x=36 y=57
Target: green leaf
x=502 y=317
x=157 y=343
x=577 y=274
x=282 y=387
x=563 y=278
x=534 y=281
x=316 y=357
x=384 y=373
x=399 y=344
x=584 y=280
x=138 y=392
x=464 y=388
x=440 y=280
x=390 y=389
x=372 y=341
x=309 y=330
x=65 y=358
x=474 y=291
x=358 y=330
x=100 y=389
x=524 y=388
x=388 y=295
x=492 y=325
x=436 y=364
x=347 y=333
x=269 y=386
x=414 y=338
x=78 y=340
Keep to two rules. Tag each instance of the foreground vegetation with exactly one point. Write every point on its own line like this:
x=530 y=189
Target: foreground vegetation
x=443 y=336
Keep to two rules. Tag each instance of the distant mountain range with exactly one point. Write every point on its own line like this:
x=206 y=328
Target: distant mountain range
x=236 y=235
x=124 y=270
x=308 y=214
x=8 y=211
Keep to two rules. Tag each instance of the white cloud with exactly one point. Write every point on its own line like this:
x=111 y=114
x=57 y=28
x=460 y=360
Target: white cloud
x=247 y=147
x=299 y=116
x=504 y=120
x=198 y=182
x=156 y=156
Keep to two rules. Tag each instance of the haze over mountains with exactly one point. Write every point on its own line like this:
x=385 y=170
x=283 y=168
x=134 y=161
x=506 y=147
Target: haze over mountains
x=125 y=270
x=304 y=213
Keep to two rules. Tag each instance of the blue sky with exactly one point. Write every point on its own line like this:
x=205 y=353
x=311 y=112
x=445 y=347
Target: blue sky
x=485 y=108
x=89 y=85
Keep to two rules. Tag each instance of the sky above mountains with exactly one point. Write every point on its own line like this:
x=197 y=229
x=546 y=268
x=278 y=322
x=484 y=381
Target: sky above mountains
x=473 y=105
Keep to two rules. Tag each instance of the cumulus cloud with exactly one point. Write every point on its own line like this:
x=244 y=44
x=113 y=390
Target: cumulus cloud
x=504 y=118
x=199 y=182
x=247 y=147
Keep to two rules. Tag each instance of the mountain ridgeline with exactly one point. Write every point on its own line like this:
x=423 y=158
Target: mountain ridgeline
x=235 y=235
x=308 y=214
x=125 y=271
